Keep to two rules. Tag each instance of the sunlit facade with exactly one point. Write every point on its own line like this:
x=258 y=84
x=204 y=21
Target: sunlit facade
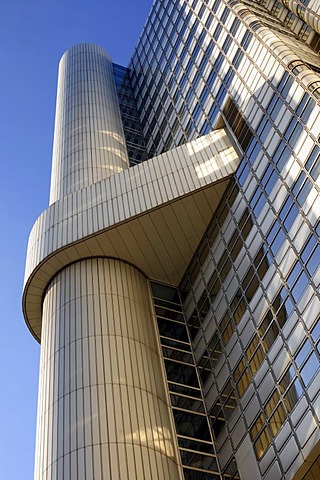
x=174 y=278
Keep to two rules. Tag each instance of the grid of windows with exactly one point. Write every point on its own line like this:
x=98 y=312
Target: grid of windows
x=131 y=123
x=183 y=65
x=231 y=282
x=200 y=65
x=196 y=447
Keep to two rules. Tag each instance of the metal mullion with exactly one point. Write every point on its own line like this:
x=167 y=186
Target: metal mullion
x=179 y=341
x=198 y=451
x=170 y=320
x=189 y=411
x=185 y=396
x=193 y=439
x=184 y=385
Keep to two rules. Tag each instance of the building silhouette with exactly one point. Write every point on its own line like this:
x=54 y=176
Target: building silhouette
x=174 y=278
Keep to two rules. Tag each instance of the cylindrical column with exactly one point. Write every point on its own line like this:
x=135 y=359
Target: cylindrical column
x=103 y=411
x=89 y=143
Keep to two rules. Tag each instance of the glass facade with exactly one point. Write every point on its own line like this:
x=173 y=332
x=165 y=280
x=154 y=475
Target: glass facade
x=251 y=299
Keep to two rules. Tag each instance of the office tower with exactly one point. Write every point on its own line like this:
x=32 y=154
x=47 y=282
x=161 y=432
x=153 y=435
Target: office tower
x=174 y=278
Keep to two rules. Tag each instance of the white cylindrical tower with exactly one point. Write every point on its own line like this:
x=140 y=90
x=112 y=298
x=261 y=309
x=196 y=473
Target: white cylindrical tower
x=103 y=411
x=103 y=408
x=89 y=143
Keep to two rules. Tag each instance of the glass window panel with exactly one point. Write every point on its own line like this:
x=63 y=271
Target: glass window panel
x=178 y=355
x=315 y=332
x=259 y=205
x=270 y=336
x=314 y=261
x=169 y=313
x=286 y=207
x=266 y=322
x=184 y=390
x=198 y=460
x=257 y=360
x=243 y=383
x=285 y=311
x=252 y=288
x=303 y=352
x=298 y=183
x=292 y=215
x=308 y=248
x=172 y=330
x=247 y=224
x=292 y=395
x=308 y=110
x=239 y=311
x=314 y=156
x=218 y=423
x=187 y=403
x=175 y=344
x=277 y=419
x=287 y=378
x=252 y=346
x=271 y=182
x=278 y=241
x=240 y=368
x=197 y=445
x=315 y=171
x=263 y=266
x=227 y=333
x=225 y=320
x=302 y=104
x=262 y=443
x=244 y=174
x=295 y=134
x=276 y=109
x=225 y=270
x=204 y=373
x=198 y=475
x=294 y=274
x=304 y=192
x=257 y=427
x=181 y=373
x=283 y=157
x=191 y=425
x=273 y=231
x=310 y=368
x=272 y=402
x=300 y=286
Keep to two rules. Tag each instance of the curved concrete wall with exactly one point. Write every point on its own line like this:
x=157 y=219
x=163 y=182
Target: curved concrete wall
x=103 y=410
x=89 y=143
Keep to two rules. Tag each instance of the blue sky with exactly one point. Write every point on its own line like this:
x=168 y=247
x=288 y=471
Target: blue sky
x=33 y=36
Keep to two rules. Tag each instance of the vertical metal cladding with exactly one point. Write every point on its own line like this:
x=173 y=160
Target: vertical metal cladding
x=89 y=143
x=103 y=409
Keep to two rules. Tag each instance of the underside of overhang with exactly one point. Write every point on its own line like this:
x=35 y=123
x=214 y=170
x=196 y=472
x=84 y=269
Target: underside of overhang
x=152 y=215
x=160 y=243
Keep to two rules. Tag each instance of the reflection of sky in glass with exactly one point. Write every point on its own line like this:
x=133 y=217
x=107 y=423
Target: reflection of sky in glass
x=303 y=353
x=300 y=286
x=310 y=368
x=316 y=331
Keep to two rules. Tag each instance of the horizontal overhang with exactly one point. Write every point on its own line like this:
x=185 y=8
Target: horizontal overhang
x=152 y=215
